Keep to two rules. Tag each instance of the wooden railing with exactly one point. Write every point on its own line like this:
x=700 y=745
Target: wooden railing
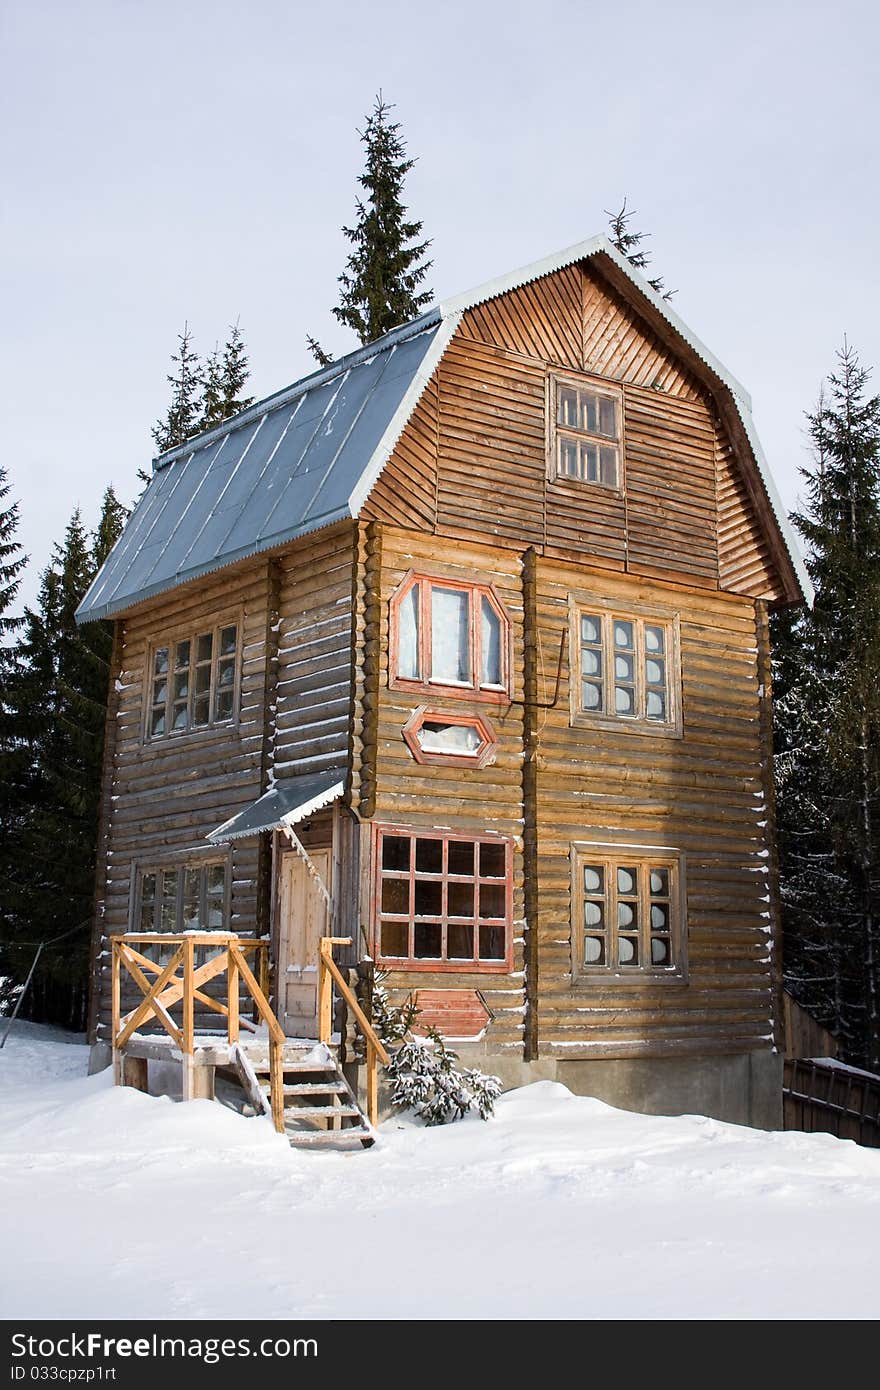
x=169 y=988
x=328 y=973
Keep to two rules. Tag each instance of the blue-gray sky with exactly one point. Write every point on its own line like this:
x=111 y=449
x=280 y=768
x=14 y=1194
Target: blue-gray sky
x=194 y=161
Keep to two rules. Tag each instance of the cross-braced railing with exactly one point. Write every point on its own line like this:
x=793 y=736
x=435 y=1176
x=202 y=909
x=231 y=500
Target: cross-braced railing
x=328 y=974
x=179 y=981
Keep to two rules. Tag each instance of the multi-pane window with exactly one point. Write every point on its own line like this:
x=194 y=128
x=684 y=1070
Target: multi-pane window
x=586 y=434
x=449 y=636
x=442 y=902
x=625 y=668
x=193 y=682
x=189 y=897
x=626 y=909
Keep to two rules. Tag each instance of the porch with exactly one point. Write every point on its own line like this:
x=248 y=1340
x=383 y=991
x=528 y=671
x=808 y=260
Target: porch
x=298 y=1082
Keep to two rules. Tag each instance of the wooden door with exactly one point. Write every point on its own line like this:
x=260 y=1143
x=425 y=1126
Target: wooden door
x=303 y=920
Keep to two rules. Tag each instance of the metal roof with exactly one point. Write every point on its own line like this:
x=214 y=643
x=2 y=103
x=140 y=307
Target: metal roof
x=310 y=455
x=287 y=803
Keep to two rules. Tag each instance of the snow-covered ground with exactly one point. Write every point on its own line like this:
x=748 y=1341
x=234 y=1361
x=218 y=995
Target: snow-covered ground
x=116 y=1204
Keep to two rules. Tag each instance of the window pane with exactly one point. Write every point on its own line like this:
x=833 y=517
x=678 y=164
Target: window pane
x=493 y=861
x=428 y=898
x=148 y=902
x=395 y=939
x=395 y=896
x=627 y=950
x=591 y=661
x=227 y=641
x=224 y=704
x=589 y=465
x=203 y=679
x=491 y=943
x=160 y=661
x=157 y=724
x=623 y=700
x=428 y=938
x=568 y=457
x=395 y=852
x=660 y=883
x=659 y=951
x=205 y=646
x=408 y=635
x=181 y=717
x=608 y=467
x=655 y=672
x=594 y=914
x=168 y=909
x=181 y=655
x=200 y=711
x=181 y=685
x=591 y=696
x=654 y=639
x=589 y=413
x=492 y=900
x=216 y=879
x=594 y=950
x=491 y=644
x=591 y=629
x=594 y=879
x=459 y=941
x=626 y=881
x=623 y=634
x=607 y=417
x=461 y=857
x=460 y=900
x=623 y=667
x=429 y=856
x=160 y=691
x=659 y=917
x=434 y=737
x=450 y=614
x=566 y=406
x=627 y=914
x=655 y=704
x=191 y=883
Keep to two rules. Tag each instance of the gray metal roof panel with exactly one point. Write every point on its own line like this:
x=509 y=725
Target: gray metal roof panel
x=288 y=802
x=279 y=470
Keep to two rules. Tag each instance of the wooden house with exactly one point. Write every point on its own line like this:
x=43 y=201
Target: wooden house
x=458 y=649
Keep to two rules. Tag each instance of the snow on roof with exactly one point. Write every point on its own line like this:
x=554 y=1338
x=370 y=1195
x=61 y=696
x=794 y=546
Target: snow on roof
x=309 y=456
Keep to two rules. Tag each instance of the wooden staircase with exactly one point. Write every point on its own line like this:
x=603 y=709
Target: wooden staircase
x=320 y=1108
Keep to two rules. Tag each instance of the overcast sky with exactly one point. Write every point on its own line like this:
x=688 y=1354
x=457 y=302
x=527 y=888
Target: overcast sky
x=194 y=161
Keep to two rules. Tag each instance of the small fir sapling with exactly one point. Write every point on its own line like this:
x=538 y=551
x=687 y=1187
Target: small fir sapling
x=426 y=1074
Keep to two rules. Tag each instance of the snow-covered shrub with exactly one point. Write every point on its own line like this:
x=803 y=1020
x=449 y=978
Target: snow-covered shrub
x=425 y=1073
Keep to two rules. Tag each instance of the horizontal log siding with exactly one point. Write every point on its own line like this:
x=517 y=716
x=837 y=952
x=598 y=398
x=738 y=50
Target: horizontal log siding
x=744 y=558
x=701 y=794
x=463 y=800
x=670 y=486
x=491 y=450
x=314 y=654
x=167 y=795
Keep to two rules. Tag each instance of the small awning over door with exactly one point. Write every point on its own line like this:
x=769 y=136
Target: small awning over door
x=290 y=801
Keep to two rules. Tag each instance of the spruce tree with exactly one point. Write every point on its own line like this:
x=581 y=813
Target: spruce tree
x=184 y=413
x=212 y=391
x=827 y=674
x=381 y=285
x=628 y=243
x=12 y=562
x=234 y=375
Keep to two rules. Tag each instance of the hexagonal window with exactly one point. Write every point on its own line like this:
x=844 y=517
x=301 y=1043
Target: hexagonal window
x=451 y=740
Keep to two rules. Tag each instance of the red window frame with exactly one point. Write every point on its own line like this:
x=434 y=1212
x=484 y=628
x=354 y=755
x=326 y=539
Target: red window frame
x=472 y=690
x=484 y=753
x=413 y=874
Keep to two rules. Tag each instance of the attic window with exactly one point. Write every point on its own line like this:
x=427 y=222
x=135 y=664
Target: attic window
x=193 y=682
x=450 y=638
x=585 y=432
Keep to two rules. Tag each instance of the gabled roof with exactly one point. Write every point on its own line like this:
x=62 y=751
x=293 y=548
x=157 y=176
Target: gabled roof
x=309 y=456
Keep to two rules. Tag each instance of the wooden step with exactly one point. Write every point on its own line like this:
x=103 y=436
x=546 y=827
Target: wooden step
x=317 y=1088
x=319 y=1137
x=308 y=1112
x=262 y=1068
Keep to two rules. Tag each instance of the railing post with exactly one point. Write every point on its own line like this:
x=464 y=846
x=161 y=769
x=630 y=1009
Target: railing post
x=115 y=1013
x=276 y=1083
x=372 y=1085
x=325 y=997
x=231 y=996
x=188 y=1039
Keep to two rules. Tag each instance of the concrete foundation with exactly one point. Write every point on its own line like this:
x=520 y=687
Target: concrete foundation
x=742 y=1088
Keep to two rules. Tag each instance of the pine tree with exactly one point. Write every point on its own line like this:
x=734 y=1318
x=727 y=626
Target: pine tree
x=12 y=562
x=212 y=391
x=381 y=284
x=628 y=243
x=184 y=413
x=235 y=374
x=827 y=671
x=323 y=359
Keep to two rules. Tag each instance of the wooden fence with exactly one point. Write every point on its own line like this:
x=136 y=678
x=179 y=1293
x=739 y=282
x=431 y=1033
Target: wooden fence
x=828 y=1097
